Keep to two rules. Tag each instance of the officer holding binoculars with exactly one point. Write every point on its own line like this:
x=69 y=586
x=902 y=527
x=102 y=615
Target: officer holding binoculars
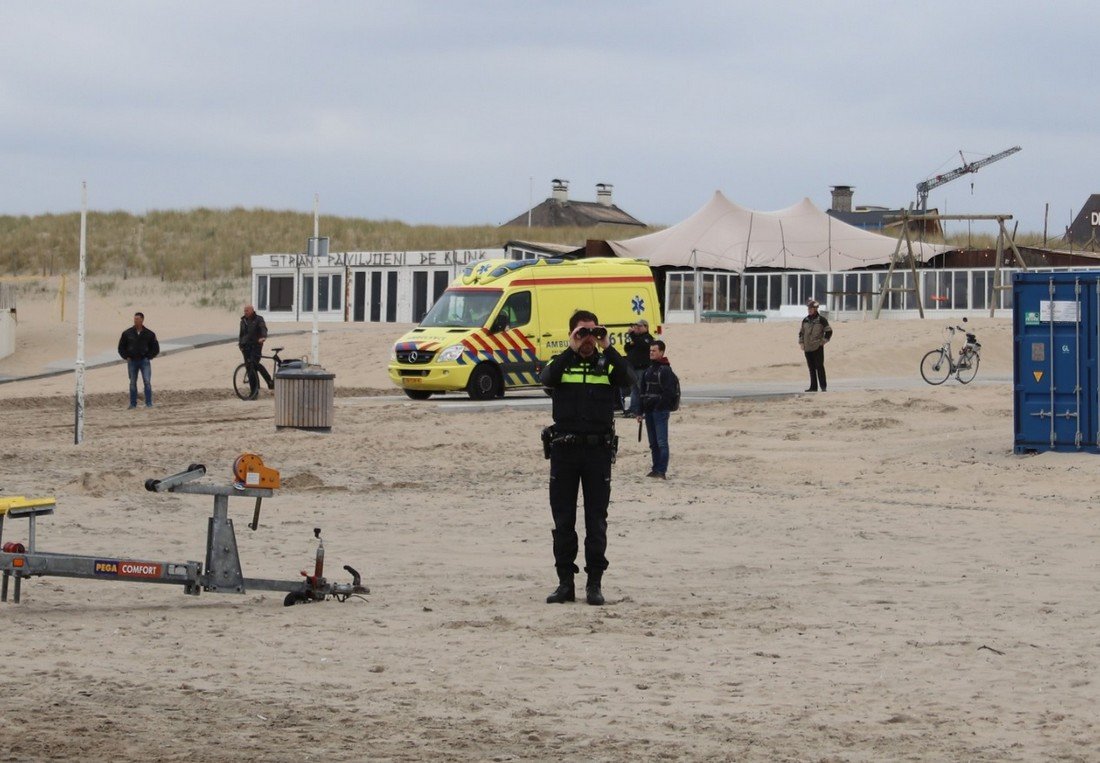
x=584 y=379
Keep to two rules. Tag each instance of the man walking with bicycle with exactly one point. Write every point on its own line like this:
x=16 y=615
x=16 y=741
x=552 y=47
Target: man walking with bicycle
x=251 y=341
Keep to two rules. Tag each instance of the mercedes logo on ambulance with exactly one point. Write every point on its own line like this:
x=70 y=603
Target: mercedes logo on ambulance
x=413 y=356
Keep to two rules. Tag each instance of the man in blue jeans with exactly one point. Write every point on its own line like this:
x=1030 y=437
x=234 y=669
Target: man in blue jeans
x=138 y=346
x=659 y=399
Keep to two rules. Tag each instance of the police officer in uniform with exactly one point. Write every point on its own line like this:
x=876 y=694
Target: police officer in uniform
x=584 y=379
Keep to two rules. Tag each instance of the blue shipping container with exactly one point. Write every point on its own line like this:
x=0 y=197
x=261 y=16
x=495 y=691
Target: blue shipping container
x=1056 y=336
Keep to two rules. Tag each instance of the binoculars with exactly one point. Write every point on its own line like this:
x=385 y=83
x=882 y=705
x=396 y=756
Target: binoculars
x=596 y=332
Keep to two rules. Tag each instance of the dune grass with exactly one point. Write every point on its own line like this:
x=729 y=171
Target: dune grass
x=211 y=244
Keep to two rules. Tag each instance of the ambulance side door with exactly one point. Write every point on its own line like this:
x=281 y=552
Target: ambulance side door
x=516 y=334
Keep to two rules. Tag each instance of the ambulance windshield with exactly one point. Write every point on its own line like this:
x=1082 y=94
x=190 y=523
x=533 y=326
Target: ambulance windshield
x=462 y=308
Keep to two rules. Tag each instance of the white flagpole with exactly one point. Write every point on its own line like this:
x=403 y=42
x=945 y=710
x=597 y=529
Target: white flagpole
x=316 y=256
x=78 y=435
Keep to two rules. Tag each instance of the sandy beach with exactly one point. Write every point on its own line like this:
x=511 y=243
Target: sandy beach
x=862 y=575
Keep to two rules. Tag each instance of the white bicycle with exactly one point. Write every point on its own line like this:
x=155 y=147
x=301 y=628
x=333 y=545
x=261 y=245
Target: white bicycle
x=937 y=366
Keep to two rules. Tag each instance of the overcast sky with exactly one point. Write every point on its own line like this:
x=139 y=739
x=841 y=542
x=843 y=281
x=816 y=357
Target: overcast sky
x=449 y=112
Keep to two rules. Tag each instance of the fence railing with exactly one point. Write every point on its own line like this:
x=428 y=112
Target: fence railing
x=954 y=289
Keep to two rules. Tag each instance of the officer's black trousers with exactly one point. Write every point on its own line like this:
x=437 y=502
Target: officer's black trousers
x=589 y=468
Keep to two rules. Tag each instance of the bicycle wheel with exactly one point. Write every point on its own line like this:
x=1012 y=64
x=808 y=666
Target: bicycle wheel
x=967 y=374
x=935 y=367
x=240 y=382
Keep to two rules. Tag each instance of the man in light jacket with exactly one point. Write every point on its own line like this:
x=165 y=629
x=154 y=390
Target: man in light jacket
x=813 y=335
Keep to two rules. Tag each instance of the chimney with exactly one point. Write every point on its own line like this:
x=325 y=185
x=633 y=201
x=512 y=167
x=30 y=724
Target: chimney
x=560 y=190
x=603 y=194
x=842 y=198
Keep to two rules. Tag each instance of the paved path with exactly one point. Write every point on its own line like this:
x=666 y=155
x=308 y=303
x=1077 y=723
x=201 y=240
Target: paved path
x=691 y=394
x=111 y=358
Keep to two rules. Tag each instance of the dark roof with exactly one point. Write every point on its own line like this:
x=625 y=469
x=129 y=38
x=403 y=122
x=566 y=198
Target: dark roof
x=874 y=218
x=1082 y=231
x=560 y=214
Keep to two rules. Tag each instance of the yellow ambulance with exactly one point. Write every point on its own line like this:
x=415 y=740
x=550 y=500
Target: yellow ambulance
x=501 y=321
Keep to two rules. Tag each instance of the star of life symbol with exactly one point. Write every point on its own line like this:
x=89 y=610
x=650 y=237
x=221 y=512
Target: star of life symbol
x=637 y=305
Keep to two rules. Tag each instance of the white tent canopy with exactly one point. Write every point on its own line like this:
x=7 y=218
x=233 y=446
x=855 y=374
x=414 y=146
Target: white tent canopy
x=725 y=236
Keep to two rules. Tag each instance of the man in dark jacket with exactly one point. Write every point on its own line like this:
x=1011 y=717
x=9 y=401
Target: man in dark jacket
x=251 y=342
x=584 y=380
x=636 y=346
x=138 y=346
x=813 y=335
x=659 y=387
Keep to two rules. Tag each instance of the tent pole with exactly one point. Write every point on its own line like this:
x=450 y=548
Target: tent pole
x=695 y=284
x=745 y=266
x=783 y=242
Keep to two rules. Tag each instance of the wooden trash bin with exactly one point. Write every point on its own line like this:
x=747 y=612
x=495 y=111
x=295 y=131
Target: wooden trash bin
x=304 y=398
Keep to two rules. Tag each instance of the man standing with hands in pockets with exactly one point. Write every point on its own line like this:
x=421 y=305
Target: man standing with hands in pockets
x=584 y=380
x=138 y=346
x=814 y=334
x=660 y=397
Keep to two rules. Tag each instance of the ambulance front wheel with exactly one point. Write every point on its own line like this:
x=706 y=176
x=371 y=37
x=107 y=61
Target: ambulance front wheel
x=418 y=394
x=485 y=383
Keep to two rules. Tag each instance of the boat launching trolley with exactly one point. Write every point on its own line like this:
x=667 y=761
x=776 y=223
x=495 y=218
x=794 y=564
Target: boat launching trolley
x=221 y=572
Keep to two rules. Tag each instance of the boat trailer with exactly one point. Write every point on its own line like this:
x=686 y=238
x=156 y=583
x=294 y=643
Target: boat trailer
x=221 y=572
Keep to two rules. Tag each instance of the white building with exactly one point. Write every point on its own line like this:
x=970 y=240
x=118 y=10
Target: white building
x=379 y=287
x=7 y=320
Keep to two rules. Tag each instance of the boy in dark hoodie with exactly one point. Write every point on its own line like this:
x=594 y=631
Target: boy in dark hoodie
x=660 y=396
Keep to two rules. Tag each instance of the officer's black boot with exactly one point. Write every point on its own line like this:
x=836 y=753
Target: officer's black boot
x=592 y=593
x=565 y=590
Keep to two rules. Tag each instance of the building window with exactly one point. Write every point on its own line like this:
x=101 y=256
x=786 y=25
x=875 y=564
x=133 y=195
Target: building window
x=420 y=295
x=281 y=294
x=261 y=293
x=336 y=293
x=329 y=288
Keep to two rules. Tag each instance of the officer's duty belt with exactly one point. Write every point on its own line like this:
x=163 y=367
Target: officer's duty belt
x=564 y=438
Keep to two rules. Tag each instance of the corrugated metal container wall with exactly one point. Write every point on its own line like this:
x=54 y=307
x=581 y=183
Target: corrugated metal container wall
x=1056 y=336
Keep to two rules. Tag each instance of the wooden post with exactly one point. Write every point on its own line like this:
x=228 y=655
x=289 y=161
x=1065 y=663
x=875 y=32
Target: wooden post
x=887 y=282
x=998 y=285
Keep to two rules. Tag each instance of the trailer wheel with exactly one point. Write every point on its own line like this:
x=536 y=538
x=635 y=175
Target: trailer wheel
x=294 y=597
x=485 y=383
